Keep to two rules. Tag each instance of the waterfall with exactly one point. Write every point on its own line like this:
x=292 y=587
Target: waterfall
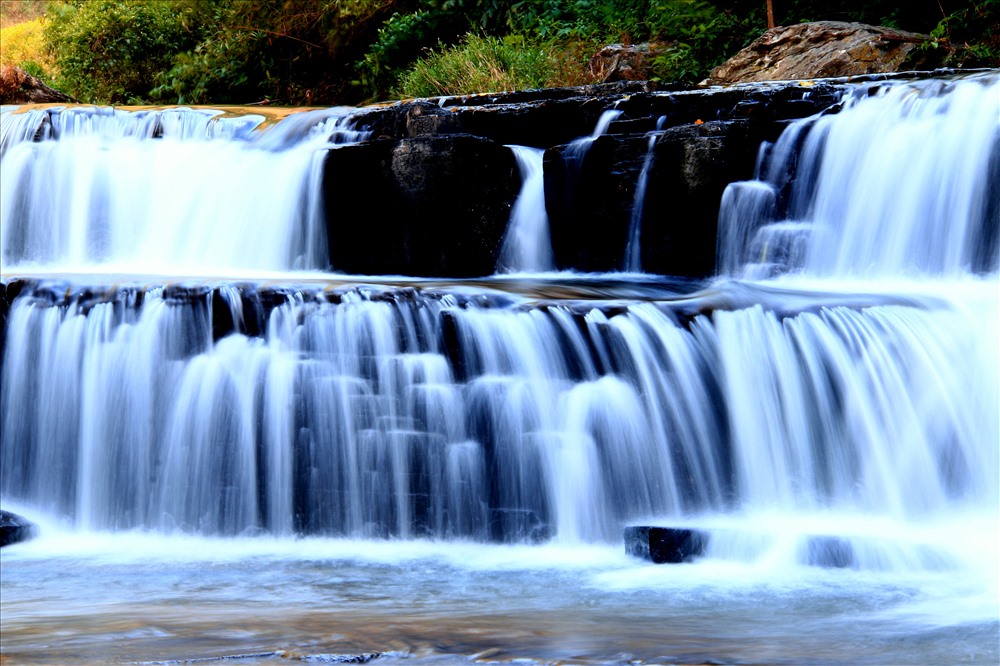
x=414 y=415
x=477 y=412
x=526 y=245
x=172 y=192
x=902 y=181
x=633 y=250
x=247 y=461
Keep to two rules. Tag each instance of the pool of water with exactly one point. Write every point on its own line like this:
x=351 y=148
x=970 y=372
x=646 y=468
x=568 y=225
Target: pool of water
x=98 y=598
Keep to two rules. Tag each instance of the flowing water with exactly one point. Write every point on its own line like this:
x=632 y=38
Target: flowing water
x=526 y=245
x=229 y=459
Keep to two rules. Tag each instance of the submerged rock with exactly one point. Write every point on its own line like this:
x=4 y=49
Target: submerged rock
x=665 y=545
x=15 y=528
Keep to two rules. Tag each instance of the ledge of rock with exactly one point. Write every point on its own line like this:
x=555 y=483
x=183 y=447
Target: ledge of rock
x=819 y=50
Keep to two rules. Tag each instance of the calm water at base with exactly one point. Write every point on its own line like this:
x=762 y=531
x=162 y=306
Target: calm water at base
x=142 y=598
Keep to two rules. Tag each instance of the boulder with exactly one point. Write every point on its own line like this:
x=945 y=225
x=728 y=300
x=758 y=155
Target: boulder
x=19 y=87
x=623 y=62
x=665 y=545
x=15 y=528
x=821 y=49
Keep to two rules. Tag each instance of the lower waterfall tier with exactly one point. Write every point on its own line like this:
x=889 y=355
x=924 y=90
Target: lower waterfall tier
x=476 y=413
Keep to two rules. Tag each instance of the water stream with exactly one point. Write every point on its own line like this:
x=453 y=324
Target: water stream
x=234 y=454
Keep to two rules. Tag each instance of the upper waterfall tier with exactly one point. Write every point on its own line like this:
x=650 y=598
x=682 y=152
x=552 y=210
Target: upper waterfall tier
x=903 y=180
x=866 y=177
x=170 y=191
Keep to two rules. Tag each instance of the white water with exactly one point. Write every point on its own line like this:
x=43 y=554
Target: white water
x=899 y=183
x=174 y=192
x=633 y=250
x=526 y=245
x=335 y=476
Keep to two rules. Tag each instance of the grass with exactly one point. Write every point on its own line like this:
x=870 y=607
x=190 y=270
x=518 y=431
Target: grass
x=490 y=64
x=23 y=45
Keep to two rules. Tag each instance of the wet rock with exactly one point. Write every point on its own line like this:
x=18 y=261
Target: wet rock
x=15 y=528
x=438 y=206
x=444 y=182
x=690 y=169
x=538 y=118
x=665 y=545
x=589 y=199
x=819 y=50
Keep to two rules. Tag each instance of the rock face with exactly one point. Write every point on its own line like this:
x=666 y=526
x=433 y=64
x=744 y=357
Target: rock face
x=429 y=207
x=19 y=87
x=445 y=182
x=14 y=528
x=819 y=50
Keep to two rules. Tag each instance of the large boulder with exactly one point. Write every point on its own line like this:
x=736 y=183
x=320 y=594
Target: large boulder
x=821 y=49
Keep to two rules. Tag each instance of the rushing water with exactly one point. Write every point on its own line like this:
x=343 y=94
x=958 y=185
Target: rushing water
x=304 y=466
x=526 y=245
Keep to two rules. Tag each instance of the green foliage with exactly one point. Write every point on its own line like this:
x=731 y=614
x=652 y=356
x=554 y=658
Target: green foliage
x=108 y=51
x=347 y=51
x=274 y=51
x=697 y=36
x=403 y=39
x=478 y=64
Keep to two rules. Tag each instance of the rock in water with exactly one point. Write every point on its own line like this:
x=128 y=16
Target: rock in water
x=14 y=528
x=663 y=545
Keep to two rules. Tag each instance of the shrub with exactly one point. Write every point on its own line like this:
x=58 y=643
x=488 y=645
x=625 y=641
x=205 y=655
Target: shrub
x=109 y=51
x=23 y=45
x=698 y=36
x=478 y=64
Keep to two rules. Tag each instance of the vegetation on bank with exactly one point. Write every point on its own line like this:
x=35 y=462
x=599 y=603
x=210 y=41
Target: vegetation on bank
x=349 y=51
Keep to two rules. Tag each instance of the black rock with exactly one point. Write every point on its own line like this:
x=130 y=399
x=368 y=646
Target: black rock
x=14 y=528
x=663 y=545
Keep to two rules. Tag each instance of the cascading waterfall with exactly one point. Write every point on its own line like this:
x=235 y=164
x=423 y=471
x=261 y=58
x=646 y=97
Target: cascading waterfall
x=171 y=192
x=766 y=412
x=899 y=183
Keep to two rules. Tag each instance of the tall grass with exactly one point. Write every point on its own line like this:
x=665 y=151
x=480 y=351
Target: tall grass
x=23 y=45
x=486 y=64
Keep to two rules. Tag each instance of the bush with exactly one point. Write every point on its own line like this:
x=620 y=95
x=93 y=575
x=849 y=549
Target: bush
x=109 y=51
x=23 y=45
x=698 y=36
x=478 y=64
